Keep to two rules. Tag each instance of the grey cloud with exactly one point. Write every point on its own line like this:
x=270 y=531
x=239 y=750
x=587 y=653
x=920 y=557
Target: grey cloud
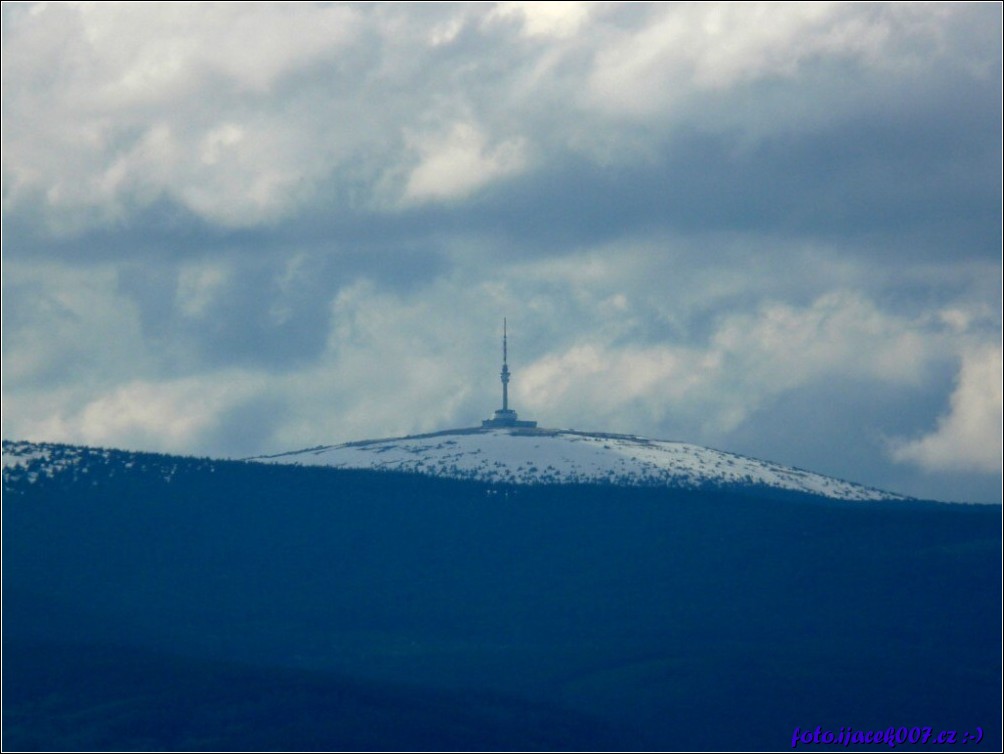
x=242 y=430
x=236 y=313
x=801 y=424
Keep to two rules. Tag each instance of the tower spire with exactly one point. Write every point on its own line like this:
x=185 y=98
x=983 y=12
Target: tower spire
x=505 y=367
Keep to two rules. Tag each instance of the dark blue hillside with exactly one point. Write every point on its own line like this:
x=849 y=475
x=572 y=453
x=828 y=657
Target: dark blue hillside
x=577 y=617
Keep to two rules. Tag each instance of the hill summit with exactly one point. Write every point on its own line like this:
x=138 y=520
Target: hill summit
x=532 y=455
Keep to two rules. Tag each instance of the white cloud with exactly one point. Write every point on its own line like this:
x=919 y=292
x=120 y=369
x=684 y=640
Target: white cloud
x=111 y=107
x=968 y=437
x=688 y=48
x=142 y=50
x=840 y=333
x=459 y=162
x=749 y=359
x=615 y=386
x=546 y=19
x=240 y=112
x=170 y=415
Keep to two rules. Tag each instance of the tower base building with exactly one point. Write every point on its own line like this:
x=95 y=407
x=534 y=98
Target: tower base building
x=507 y=419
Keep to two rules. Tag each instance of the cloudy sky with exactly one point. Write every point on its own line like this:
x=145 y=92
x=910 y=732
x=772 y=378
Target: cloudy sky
x=235 y=228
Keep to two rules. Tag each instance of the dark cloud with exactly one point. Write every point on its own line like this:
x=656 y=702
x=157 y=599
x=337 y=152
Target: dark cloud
x=802 y=423
x=234 y=312
x=243 y=429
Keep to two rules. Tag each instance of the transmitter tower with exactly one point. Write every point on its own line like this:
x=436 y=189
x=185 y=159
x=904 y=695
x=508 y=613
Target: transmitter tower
x=505 y=416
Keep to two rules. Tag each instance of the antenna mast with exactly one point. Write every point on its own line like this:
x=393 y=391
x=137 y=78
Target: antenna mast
x=505 y=367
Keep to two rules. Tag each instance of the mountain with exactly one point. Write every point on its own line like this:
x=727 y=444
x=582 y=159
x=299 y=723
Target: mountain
x=552 y=456
x=157 y=602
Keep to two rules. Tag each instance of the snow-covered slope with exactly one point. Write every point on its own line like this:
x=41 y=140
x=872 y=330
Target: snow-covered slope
x=541 y=456
x=30 y=462
x=504 y=455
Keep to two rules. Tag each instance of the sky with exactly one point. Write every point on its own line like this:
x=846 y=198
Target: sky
x=772 y=229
